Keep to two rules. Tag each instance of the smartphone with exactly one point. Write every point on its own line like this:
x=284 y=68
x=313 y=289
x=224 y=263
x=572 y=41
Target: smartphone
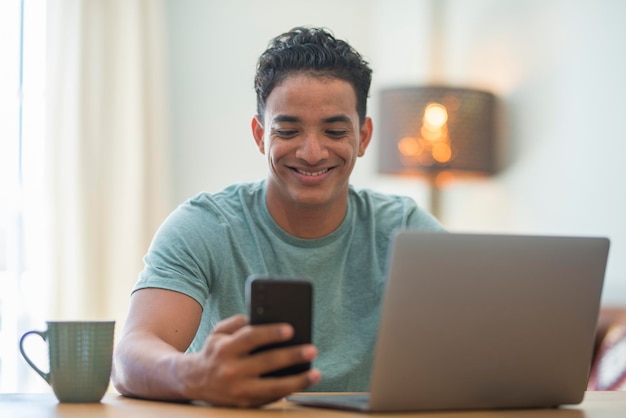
x=287 y=300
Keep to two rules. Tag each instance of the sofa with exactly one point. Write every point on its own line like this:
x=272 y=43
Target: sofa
x=608 y=368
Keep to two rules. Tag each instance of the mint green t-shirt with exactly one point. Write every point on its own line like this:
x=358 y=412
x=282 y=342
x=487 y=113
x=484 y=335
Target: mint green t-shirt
x=210 y=244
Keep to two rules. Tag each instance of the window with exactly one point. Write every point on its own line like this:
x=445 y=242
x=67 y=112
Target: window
x=23 y=286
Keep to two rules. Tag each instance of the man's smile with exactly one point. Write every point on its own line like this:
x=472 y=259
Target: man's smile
x=311 y=173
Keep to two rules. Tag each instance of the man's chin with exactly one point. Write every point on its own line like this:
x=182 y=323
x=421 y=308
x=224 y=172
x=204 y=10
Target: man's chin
x=313 y=199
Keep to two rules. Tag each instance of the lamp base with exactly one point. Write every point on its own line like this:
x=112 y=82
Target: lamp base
x=435 y=195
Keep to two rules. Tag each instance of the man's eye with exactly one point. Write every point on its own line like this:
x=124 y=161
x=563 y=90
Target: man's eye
x=285 y=133
x=337 y=133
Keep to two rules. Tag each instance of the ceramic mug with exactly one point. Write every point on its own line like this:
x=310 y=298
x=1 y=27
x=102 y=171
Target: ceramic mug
x=80 y=354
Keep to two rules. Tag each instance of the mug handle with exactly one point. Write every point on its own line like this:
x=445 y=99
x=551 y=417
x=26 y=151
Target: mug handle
x=43 y=335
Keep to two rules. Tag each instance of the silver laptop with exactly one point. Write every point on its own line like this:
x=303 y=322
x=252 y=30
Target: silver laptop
x=482 y=322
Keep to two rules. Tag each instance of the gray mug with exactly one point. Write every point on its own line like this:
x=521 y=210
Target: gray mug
x=80 y=354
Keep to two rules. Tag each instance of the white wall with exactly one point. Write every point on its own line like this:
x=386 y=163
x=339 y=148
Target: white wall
x=213 y=52
x=557 y=66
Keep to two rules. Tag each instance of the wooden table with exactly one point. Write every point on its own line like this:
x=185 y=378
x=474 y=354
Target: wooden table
x=595 y=405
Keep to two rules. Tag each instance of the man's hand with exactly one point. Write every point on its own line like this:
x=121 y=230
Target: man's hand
x=224 y=373
x=150 y=360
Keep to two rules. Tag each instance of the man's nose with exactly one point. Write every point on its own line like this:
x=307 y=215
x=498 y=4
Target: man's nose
x=312 y=149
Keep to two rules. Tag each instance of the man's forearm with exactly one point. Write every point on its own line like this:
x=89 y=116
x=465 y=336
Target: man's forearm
x=147 y=367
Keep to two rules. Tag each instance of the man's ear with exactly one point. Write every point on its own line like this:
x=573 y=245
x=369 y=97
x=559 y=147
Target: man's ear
x=258 y=133
x=365 y=135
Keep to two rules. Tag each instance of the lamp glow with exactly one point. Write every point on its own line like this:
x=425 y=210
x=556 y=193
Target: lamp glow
x=408 y=146
x=435 y=115
x=442 y=153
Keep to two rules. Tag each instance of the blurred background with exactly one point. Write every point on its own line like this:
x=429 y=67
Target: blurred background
x=113 y=112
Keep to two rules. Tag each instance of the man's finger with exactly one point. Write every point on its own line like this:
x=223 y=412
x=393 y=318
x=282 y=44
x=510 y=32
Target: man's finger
x=275 y=359
x=264 y=390
x=249 y=338
x=231 y=324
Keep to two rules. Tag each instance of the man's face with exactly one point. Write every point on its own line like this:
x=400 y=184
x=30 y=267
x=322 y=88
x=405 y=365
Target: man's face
x=312 y=138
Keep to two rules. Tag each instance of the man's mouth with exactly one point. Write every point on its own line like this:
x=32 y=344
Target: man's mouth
x=312 y=173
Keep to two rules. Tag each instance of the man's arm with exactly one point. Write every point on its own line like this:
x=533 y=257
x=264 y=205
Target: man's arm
x=149 y=360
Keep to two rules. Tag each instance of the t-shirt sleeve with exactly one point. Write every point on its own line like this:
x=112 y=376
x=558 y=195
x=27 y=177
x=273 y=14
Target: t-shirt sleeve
x=418 y=218
x=179 y=258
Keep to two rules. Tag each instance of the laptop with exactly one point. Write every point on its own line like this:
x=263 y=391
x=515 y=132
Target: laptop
x=482 y=321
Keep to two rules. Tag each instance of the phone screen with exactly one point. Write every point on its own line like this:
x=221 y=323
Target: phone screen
x=288 y=300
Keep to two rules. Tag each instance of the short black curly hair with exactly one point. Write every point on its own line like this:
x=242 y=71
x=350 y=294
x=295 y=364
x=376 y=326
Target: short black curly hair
x=313 y=51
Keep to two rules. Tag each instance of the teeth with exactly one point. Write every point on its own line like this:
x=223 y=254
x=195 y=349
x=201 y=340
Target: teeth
x=308 y=173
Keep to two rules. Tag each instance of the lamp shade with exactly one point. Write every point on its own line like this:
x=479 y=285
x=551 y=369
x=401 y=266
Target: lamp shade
x=427 y=130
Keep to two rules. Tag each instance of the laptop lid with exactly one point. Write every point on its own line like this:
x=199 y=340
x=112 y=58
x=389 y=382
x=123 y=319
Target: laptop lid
x=477 y=321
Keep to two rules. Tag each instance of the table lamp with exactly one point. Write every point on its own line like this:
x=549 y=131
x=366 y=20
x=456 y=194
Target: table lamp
x=436 y=132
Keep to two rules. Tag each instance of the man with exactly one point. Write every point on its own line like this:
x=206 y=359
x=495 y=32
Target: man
x=186 y=337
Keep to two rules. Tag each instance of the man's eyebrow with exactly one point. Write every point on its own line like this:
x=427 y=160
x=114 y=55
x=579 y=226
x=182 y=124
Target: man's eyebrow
x=286 y=118
x=331 y=119
x=338 y=118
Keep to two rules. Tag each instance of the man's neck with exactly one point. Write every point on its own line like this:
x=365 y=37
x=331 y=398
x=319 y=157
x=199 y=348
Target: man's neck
x=307 y=221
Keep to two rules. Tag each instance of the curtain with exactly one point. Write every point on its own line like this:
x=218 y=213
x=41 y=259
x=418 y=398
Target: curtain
x=106 y=137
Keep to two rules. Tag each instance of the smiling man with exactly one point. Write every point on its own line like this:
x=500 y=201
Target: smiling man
x=186 y=337
x=313 y=138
